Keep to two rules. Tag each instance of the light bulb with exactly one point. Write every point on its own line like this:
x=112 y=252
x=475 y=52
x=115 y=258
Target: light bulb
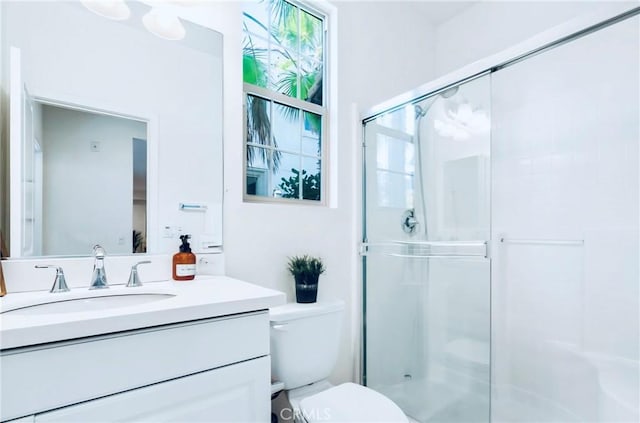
x=164 y=24
x=112 y=9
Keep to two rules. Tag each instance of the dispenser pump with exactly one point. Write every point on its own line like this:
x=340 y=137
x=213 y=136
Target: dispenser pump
x=184 y=262
x=185 y=247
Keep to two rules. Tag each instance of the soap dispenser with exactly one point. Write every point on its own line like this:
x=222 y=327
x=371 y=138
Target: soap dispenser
x=184 y=262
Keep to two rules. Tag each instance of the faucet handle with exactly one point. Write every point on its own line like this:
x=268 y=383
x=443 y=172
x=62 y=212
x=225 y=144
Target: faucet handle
x=134 y=279
x=99 y=251
x=60 y=283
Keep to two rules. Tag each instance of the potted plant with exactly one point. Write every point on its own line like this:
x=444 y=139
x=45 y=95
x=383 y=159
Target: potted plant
x=306 y=271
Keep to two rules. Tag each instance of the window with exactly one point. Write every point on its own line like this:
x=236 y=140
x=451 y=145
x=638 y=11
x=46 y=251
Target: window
x=285 y=112
x=395 y=158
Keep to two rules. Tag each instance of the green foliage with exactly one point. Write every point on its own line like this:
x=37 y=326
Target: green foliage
x=310 y=185
x=305 y=267
x=253 y=69
x=138 y=242
x=259 y=132
x=295 y=69
x=298 y=75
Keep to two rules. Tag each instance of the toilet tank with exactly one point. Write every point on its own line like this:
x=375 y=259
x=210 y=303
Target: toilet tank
x=304 y=341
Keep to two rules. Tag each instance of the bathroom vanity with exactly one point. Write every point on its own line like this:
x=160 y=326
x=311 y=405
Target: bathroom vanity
x=167 y=351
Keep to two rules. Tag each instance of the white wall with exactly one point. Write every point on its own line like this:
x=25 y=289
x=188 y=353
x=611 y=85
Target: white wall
x=87 y=194
x=489 y=27
x=372 y=65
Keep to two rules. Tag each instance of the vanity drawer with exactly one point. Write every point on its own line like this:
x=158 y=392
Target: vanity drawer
x=232 y=394
x=40 y=378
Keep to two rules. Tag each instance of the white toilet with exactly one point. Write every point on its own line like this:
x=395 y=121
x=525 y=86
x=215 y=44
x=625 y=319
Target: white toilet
x=304 y=349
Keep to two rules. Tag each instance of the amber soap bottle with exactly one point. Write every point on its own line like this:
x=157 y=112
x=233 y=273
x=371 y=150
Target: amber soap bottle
x=184 y=262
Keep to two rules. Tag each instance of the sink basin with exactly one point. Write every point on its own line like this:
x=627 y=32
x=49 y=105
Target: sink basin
x=85 y=304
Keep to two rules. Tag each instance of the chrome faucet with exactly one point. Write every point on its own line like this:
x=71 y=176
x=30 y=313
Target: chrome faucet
x=60 y=283
x=99 y=277
x=134 y=279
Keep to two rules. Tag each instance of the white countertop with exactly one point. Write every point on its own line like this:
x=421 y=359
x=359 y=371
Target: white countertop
x=204 y=297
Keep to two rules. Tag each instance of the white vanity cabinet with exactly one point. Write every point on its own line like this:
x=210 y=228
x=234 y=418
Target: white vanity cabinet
x=214 y=370
x=227 y=394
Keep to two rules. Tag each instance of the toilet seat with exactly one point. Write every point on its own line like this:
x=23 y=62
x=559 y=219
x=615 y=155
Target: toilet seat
x=350 y=402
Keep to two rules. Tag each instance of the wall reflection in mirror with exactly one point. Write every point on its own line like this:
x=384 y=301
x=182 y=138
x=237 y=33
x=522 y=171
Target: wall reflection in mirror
x=70 y=157
x=111 y=113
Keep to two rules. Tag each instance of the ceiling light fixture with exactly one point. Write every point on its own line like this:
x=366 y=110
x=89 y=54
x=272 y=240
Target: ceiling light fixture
x=112 y=9
x=164 y=23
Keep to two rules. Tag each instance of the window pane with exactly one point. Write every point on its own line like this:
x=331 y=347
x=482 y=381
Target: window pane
x=287 y=177
x=311 y=35
x=255 y=59
x=257 y=180
x=255 y=17
x=258 y=121
x=311 y=82
x=284 y=24
x=311 y=177
x=401 y=120
x=395 y=154
x=394 y=190
x=284 y=67
x=311 y=58
x=284 y=72
x=311 y=144
x=286 y=128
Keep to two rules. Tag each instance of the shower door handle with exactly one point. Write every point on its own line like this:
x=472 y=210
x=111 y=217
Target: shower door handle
x=427 y=249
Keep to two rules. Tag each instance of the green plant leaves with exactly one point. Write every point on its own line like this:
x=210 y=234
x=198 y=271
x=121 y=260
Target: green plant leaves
x=311 y=189
x=305 y=267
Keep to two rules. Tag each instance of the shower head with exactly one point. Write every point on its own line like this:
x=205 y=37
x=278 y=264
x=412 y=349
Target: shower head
x=448 y=93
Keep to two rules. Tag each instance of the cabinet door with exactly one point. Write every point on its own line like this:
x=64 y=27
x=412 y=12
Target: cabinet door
x=236 y=393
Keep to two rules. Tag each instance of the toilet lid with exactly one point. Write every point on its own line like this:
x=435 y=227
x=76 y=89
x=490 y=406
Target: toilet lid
x=351 y=403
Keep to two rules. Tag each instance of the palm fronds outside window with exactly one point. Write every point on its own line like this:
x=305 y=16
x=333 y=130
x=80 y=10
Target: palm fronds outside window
x=283 y=72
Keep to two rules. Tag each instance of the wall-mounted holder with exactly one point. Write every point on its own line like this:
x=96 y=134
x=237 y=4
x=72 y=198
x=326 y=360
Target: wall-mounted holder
x=193 y=207
x=199 y=220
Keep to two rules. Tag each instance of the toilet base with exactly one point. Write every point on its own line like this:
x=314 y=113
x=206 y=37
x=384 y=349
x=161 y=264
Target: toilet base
x=348 y=402
x=286 y=405
x=298 y=394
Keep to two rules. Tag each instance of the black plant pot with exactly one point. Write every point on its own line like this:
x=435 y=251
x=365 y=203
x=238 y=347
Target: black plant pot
x=306 y=293
x=306 y=289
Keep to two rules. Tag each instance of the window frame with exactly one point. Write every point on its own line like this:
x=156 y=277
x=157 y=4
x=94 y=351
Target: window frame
x=323 y=111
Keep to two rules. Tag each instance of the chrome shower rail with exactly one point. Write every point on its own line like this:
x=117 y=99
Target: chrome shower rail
x=542 y=241
x=427 y=249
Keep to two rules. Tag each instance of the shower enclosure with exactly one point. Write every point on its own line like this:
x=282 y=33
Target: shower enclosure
x=501 y=247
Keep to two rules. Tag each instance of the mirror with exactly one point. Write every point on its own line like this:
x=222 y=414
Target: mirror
x=105 y=151
x=144 y=117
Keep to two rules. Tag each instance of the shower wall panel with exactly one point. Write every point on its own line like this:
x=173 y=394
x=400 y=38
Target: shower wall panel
x=565 y=197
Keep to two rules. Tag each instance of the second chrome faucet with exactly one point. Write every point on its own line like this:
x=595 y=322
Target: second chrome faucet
x=99 y=277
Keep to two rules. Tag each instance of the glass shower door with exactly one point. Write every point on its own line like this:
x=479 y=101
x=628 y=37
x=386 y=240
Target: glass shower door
x=426 y=271
x=565 y=198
